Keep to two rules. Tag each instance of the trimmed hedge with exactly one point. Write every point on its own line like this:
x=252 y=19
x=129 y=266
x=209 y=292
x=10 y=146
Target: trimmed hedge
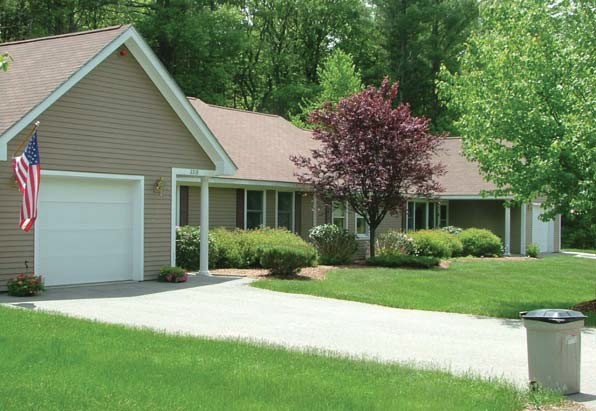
x=411 y=261
x=232 y=248
x=335 y=245
x=437 y=243
x=480 y=243
x=286 y=261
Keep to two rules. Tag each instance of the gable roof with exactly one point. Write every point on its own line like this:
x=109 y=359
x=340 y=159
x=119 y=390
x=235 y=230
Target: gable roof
x=45 y=68
x=261 y=145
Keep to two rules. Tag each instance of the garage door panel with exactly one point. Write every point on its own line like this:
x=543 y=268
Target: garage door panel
x=85 y=231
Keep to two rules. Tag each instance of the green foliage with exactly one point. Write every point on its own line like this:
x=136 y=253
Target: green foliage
x=395 y=243
x=410 y=261
x=25 y=285
x=231 y=248
x=437 y=243
x=286 y=261
x=172 y=275
x=338 y=78
x=480 y=243
x=452 y=229
x=5 y=60
x=533 y=250
x=524 y=101
x=335 y=245
x=579 y=231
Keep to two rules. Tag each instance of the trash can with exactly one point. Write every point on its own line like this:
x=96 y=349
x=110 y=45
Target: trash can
x=554 y=348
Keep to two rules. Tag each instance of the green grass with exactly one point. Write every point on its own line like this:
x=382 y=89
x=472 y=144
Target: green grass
x=581 y=250
x=51 y=362
x=496 y=288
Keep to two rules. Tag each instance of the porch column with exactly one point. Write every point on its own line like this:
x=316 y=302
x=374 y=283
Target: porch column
x=507 y=230
x=314 y=210
x=522 y=234
x=204 y=252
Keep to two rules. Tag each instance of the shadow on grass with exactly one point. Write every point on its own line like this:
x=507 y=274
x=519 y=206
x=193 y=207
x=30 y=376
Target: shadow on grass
x=112 y=290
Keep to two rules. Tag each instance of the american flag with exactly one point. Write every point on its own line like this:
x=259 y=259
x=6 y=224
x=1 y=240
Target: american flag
x=28 y=173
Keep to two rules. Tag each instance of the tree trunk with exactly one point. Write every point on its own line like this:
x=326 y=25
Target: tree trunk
x=372 y=236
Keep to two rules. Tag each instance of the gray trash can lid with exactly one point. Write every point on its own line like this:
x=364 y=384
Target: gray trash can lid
x=553 y=315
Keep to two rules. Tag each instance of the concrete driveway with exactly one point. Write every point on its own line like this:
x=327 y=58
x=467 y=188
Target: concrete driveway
x=229 y=308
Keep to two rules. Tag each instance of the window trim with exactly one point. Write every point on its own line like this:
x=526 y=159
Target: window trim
x=439 y=204
x=345 y=216
x=292 y=212
x=361 y=236
x=263 y=211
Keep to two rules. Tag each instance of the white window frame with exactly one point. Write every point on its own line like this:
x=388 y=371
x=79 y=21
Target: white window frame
x=365 y=236
x=264 y=210
x=427 y=214
x=345 y=217
x=293 y=211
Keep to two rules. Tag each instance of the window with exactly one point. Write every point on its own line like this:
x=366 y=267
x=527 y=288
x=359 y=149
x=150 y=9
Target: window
x=338 y=216
x=285 y=210
x=255 y=202
x=361 y=226
x=424 y=214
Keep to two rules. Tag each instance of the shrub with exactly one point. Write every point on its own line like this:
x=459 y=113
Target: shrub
x=188 y=244
x=395 y=243
x=286 y=261
x=451 y=229
x=25 y=285
x=172 y=275
x=533 y=250
x=436 y=243
x=335 y=245
x=412 y=261
x=481 y=243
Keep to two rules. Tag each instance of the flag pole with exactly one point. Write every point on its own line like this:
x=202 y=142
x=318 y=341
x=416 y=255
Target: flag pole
x=35 y=127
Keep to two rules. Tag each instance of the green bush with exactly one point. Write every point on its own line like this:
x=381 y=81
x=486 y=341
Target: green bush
x=411 y=261
x=451 y=229
x=25 y=285
x=335 y=245
x=231 y=248
x=286 y=261
x=437 y=243
x=480 y=243
x=533 y=250
x=394 y=243
x=172 y=275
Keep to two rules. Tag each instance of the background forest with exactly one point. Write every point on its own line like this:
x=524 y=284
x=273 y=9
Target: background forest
x=276 y=56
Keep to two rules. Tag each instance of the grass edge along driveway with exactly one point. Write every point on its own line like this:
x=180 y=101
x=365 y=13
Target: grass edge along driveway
x=489 y=287
x=53 y=362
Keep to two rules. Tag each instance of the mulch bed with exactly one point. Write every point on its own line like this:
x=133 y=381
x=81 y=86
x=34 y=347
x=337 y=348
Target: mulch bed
x=565 y=406
x=586 y=307
x=309 y=273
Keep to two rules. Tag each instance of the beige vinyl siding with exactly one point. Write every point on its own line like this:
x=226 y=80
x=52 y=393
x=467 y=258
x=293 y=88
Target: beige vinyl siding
x=489 y=214
x=222 y=207
x=306 y=215
x=516 y=229
x=390 y=223
x=113 y=121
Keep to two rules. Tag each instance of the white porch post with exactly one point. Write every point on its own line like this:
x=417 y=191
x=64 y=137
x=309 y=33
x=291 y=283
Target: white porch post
x=522 y=234
x=507 y=231
x=314 y=210
x=204 y=252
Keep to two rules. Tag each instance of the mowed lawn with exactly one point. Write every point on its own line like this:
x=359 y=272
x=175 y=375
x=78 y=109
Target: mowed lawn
x=51 y=362
x=490 y=287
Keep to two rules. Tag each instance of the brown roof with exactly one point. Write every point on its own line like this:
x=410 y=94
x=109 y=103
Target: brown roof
x=41 y=65
x=260 y=144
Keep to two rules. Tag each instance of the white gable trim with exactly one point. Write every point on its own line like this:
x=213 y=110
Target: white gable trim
x=162 y=80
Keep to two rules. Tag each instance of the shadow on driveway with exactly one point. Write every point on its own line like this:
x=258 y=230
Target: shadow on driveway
x=111 y=290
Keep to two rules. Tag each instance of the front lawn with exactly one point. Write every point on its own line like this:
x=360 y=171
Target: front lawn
x=491 y=287
x=581 y=250
x=51 y=362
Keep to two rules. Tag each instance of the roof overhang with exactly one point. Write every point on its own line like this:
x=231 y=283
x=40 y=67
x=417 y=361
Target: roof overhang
x=162 y=80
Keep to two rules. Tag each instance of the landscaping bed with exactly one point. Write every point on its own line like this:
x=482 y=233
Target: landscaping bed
x=307 y=273
x=52 y=362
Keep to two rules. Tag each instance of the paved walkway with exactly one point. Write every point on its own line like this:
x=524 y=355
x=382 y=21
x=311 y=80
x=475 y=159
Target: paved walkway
x=580 y=255
x=223 y=307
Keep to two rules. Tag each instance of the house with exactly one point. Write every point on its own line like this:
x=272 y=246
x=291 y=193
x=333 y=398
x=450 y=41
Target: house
x=126 y=157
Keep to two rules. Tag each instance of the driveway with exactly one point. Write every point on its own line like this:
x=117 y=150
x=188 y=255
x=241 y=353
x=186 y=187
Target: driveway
x=229 y=308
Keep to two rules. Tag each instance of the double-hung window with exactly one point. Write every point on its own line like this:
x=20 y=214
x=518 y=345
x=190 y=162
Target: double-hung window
x=285 y=210
x=338 y=216
x=425 y=214
x=361 y=226
x=255 y=208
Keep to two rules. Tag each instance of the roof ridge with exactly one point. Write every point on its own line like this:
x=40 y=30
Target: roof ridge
x=234 y=109
x=57 y=36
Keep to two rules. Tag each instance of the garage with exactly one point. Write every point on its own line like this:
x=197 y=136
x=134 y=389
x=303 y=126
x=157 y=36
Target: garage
x=89 y=228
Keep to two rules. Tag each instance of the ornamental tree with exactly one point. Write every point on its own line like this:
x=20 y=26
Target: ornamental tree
x=371 y=155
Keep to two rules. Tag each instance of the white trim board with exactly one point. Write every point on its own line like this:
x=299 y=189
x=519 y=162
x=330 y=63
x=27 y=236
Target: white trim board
x=162 y=80
x=139 y=220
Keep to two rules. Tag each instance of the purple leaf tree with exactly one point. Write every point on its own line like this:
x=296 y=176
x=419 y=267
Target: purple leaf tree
x=371 y=155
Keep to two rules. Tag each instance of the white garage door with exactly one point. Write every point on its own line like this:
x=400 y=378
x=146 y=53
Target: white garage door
x=85 y=230
x=542 y=232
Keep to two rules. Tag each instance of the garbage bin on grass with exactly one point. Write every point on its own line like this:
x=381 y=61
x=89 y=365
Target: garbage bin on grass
x=554 y=348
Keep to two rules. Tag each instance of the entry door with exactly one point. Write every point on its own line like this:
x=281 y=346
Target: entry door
x=84 y=231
